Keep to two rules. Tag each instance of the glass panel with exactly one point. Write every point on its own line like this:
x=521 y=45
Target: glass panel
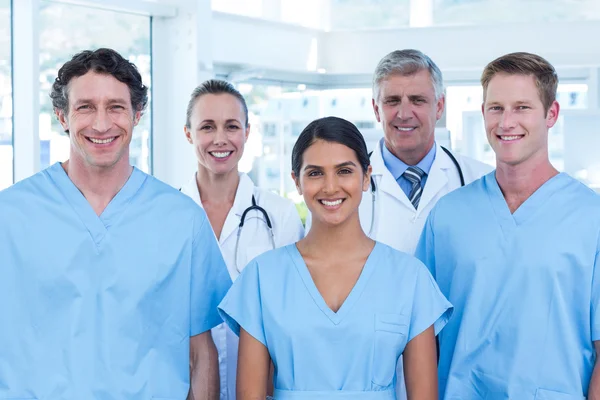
x=363 y=14
x=66 y=30
x=477 y=12
x=248 y=8
x=6 y=147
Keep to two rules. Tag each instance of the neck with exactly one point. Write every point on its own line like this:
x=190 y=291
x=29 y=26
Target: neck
x=411 y=157
x=519 y=182
x=217 y=188
x=344 y=238
x=98 y=185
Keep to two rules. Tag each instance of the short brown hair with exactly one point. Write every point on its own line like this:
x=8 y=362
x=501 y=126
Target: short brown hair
x=522 y=63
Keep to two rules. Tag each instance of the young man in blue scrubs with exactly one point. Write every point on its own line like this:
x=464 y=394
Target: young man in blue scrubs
x=109 y=278
x=517 y=253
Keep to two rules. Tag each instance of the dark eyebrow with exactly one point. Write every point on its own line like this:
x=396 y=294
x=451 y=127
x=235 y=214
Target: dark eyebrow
x=111 y=101
x=393 y=98
x=212 y=121
x=344 y=164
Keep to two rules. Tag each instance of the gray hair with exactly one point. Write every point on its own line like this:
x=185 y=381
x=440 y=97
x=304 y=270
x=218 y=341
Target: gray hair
x=407 y=62
x=214 y=86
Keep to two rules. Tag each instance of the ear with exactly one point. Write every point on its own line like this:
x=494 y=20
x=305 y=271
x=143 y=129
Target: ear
x=367 y=179
x=247 y=133
x=62 y=118
x=441 y=103
x=188 y=134
x=482 y=109
x=136 y=118
x=376 y=109
x=552 y=114
x=297 y=182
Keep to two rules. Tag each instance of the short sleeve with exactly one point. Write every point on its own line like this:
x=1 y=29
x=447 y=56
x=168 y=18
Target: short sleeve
x=425 y=251
x=209 y=279
x=430 y=307
x=595 y=306
x=242 y=307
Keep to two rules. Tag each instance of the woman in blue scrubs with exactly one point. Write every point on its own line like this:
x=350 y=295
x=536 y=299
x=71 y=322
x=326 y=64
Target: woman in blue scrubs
x=335 y=311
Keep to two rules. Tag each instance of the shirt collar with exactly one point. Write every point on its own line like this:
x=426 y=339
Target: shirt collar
x=397 y=167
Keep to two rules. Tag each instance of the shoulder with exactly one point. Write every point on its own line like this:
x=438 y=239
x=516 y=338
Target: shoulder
x=272 y=264
x=396 y=259
x=168 y=203
x=36 y=188
x=466 y=193
x=580 y=193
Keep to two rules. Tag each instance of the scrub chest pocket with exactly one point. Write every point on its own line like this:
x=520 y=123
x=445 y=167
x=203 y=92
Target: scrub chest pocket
x=391 y=334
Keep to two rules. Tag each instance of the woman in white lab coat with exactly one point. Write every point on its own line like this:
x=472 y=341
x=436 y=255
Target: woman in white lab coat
x=217 y=127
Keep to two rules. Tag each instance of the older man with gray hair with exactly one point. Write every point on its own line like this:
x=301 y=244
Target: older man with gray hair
x=410 y=171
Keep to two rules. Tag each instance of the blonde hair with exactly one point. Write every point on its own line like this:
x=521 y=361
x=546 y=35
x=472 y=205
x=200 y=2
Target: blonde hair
x=528 y=64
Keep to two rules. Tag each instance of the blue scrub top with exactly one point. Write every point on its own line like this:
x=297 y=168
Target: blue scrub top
x=525 y=289
x=348 y=354
x=103 y=307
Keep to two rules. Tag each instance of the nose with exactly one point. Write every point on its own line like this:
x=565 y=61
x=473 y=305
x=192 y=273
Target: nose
x=331 y=184
x=220 y=137
x=102 y=121
x=404 y=110
x=507 y=120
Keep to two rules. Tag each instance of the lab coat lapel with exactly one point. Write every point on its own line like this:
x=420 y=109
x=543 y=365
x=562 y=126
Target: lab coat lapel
x=437 y=178
x=387 y=183
x=191 y=189
x=243 y=200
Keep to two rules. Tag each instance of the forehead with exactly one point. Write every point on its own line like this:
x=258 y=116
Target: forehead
x=222 y=106
x=506 y=87
x=325 y=153
x=98 y=88
x=417 y=83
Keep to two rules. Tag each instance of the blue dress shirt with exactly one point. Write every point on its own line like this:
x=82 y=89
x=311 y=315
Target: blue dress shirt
x=397 y=167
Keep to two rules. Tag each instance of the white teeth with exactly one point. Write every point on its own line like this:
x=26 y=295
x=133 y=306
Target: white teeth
x=222 y=154
x=101 y=141
x=331 y=203
x=404 y=129
x=510 y=137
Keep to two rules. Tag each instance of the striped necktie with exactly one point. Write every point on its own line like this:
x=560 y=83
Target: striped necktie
x=414 y=176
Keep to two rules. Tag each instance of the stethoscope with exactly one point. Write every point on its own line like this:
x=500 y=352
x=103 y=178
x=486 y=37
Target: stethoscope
x=374 y=187
x=267 y=220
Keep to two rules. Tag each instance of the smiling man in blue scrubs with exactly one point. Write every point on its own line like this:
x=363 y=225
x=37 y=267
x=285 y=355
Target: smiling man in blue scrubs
x=517 y=253
x=109 y=278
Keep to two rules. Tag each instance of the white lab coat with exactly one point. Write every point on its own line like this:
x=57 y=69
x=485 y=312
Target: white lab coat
x=254 y=240
x=397 y=223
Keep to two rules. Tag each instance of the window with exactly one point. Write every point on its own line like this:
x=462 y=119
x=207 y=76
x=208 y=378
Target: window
x=68 y=29
x=477 y=12
x=6 y=147
x=248 y=8
x=369 y=14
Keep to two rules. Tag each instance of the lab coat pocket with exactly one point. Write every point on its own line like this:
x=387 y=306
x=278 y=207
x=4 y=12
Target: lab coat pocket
x=544 y=394
x=391 y=333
